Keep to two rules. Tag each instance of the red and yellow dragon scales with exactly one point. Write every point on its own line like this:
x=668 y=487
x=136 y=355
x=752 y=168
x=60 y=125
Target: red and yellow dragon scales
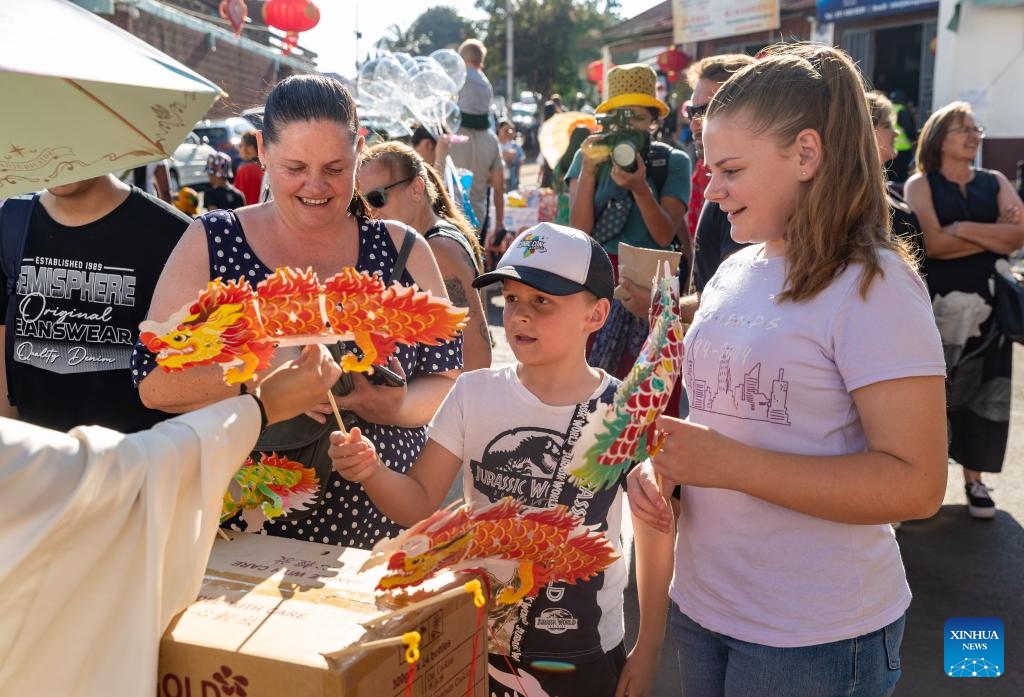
x=232 y=325
x=549 y=544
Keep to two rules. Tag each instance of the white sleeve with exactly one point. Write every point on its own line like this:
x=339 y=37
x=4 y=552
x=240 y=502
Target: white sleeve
x=113 y=532
x=448 y=427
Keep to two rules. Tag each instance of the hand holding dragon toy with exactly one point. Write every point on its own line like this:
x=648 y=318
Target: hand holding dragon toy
x=628 y=425
x=231 y=325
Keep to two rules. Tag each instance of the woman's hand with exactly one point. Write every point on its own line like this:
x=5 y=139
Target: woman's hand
x=295 y=386
x=1009 y=215
x=645 y=501
x=353 y=455
x=594 y=152
x=638 y=299
x=375 y=403
x=635 y=181
x=689 y=452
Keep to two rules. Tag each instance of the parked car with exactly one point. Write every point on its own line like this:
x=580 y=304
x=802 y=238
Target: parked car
x=188 y=164
x=524 y=118
x=255 y=116
x=225 y=135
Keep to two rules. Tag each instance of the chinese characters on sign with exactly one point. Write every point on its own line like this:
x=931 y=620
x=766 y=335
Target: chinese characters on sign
x=701 y=20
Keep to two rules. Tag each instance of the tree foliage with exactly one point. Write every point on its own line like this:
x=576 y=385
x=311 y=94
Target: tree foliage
x=440 y=27
x=545 y=39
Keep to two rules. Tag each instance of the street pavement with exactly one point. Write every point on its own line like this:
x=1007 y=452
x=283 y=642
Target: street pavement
x=957 y=567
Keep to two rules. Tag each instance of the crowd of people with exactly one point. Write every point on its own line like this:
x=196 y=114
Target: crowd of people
x=816 y=357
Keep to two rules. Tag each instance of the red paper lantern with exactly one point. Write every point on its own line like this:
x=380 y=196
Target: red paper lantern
x=291 y=17
x=595 y=71
x=673 y=60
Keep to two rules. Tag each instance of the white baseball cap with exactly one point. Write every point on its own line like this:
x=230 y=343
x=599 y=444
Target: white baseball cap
x=555 y=259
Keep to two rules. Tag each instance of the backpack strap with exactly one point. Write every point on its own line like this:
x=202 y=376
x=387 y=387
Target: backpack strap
x=657 y=165
x=15 y=216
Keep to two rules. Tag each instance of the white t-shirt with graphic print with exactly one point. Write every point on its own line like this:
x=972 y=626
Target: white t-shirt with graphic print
x=511 y=444
x=778 y=376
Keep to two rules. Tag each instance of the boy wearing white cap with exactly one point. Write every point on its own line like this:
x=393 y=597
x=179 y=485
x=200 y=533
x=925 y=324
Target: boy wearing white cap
x=508 y=431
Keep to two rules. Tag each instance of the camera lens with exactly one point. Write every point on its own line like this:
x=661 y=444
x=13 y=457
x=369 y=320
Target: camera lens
x=624 y=154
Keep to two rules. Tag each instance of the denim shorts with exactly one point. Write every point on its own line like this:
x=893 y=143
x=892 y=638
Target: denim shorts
x=715 y=665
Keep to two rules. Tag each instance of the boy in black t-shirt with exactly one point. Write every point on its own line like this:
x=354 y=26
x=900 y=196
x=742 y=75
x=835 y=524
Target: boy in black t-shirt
x=221 y=194
x=92 y=256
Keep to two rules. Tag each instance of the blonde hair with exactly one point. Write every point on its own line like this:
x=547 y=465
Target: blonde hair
x=842 y=215
x=879 y=107
x=473 y=51
x=717 y=68
x=402 y=162
x=933 y=132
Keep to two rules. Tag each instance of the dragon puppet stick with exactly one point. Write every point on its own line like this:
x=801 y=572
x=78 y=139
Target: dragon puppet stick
x=232 y=325
x=628 y=426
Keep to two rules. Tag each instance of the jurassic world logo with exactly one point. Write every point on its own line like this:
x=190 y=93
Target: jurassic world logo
x=520 y=463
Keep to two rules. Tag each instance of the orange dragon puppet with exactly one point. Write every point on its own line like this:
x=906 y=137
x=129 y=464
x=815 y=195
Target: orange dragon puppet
x=231 y=325
x=549 y=545
x=627 y=428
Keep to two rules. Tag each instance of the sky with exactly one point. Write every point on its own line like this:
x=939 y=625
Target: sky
x=333 y=39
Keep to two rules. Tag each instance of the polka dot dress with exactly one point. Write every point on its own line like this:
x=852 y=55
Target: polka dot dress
x=345 y=516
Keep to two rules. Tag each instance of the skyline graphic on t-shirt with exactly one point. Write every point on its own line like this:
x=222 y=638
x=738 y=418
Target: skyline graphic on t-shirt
x=743 y=399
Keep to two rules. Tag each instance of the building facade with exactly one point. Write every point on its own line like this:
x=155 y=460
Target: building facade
x=192 y=32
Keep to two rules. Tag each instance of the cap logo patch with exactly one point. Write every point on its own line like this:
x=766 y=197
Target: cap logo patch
x=530 y=244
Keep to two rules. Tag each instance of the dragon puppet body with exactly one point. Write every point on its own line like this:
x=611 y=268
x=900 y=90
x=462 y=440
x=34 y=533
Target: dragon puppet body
x=231 y=325
x=627 y=427
x=549 y=544
x=271 y=487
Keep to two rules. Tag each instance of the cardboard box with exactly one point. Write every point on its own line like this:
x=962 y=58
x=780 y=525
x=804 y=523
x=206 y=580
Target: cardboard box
x=269 y=606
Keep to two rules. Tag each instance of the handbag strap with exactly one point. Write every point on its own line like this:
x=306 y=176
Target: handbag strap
x=403 y=257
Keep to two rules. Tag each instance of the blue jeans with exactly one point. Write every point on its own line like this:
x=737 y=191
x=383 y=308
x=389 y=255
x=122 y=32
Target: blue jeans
x=712 y=664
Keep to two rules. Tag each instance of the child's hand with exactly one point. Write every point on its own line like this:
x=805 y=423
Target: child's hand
x=645 y=501
x=638 y=674
x=353 y=456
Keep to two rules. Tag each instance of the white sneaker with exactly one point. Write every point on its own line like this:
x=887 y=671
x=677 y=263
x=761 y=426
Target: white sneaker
x=979 y=502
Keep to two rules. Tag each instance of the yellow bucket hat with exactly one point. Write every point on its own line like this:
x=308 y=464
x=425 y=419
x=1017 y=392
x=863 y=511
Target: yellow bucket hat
x=634 y=84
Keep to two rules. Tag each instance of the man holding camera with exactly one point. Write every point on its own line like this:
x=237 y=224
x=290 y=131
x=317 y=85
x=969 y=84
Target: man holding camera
x=623 y=187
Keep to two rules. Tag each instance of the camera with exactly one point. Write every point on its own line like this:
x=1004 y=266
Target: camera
x=624 y=141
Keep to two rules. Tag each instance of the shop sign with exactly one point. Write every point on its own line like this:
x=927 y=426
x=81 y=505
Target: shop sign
x=701 y=20
x=849 y=10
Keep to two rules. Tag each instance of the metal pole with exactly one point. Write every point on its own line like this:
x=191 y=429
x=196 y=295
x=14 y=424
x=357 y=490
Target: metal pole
x=509 y=55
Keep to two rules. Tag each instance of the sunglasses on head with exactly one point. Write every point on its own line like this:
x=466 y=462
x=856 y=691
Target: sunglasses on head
x=697 y=112
x=378 y=198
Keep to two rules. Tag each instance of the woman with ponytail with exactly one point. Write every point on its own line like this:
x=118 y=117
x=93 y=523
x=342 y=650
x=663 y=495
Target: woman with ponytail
x=815 y=378
x=399 y=185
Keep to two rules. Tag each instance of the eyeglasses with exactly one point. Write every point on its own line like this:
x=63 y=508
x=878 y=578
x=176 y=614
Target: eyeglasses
x=969 y=130
x=697 y=112
x=378 y=198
